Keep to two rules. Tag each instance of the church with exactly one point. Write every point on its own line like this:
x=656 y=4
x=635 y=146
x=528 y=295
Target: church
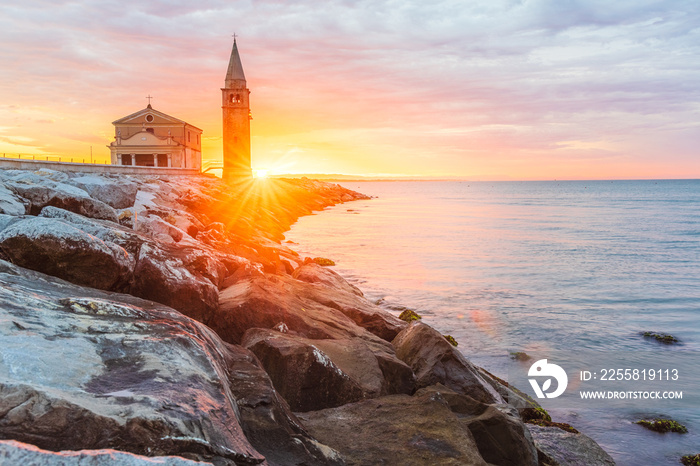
x=150 y=138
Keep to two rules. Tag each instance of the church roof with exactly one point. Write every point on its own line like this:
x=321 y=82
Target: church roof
x=235 y=68
x=150 y=110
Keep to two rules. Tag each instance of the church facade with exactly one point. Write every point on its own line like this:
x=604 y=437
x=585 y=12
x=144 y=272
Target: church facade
x=150 y=138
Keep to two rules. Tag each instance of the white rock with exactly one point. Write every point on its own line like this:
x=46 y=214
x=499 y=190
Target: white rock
x=10 y=204
x=119 y=193
x=6 y=221
x=61 y=249
x=47 y=192
x=54 y=175
x=156 y=227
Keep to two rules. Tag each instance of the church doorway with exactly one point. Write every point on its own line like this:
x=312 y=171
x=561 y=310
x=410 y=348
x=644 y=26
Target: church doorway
x=145 y=160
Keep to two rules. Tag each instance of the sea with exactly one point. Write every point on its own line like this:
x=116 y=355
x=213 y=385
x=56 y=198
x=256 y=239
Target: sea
x=569 y=271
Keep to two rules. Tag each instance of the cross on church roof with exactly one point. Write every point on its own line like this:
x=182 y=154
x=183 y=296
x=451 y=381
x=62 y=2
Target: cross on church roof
x=149 y=97
x=234 y=37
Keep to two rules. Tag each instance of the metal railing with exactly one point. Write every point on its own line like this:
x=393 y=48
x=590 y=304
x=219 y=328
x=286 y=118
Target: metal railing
x=52 y=158
x=209 y=165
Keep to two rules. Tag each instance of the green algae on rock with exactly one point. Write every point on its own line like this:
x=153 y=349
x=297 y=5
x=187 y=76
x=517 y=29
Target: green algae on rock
x=661 y=337
x=409 y=316
x=520 y=356
x=562 y=425
x=451 y=339
x=691 y=460
x=536 y=413
x=663 y=426
x=322 y=261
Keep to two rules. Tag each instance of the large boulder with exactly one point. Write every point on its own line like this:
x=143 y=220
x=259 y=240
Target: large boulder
x=265 y=301
x=267 y=421
x=396 y=430
x=501 y=437
x=435 y=361
x=182 y=276
x=178 y=218
x=160 y=276
x=311 y=310
x=60 y=249
x=112 y=371
x=157 y=228
x=317 y=374
x=103 y=230
x=556 y=447
x=46 y=173
x=332 y=290
x=63 y=196
x=314 y=273
x=119 y=193
x=18 y=453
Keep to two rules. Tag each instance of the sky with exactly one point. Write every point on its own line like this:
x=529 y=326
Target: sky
x=483 y=89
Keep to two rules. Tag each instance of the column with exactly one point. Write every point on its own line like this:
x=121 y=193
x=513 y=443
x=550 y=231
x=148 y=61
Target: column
x=155 y=160
x=170 y=160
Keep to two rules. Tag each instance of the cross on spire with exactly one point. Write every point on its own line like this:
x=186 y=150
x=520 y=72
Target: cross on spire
x=234 y=37
x=149 y=97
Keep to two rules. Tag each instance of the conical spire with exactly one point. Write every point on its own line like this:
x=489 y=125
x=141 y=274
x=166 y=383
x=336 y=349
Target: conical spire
x=235 y=69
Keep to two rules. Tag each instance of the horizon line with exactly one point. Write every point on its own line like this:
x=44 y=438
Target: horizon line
x=354 y=177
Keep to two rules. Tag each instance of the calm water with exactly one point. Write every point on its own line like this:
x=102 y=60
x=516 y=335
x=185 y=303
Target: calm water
x=570 y=271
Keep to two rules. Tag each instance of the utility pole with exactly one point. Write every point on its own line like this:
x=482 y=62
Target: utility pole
x=90 y=154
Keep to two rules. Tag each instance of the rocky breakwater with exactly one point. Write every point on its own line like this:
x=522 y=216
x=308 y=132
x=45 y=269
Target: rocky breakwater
x=161 y=317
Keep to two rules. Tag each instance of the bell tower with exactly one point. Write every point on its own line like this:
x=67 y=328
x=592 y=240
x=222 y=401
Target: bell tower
x=236 y=113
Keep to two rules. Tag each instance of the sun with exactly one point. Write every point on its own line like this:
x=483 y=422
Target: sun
x=261 y=173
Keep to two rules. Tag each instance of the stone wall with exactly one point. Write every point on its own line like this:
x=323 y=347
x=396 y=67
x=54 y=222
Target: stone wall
x=18 y=164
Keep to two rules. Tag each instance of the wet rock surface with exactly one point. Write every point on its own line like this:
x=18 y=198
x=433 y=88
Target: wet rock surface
x=308 y=309
x=112 y=371
x=316 y=374
x=164 y=276
x=18 y=453
x=267 y=421
x=435 y=426
x=559 y=448
x=395 y=430
x=434 y=360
